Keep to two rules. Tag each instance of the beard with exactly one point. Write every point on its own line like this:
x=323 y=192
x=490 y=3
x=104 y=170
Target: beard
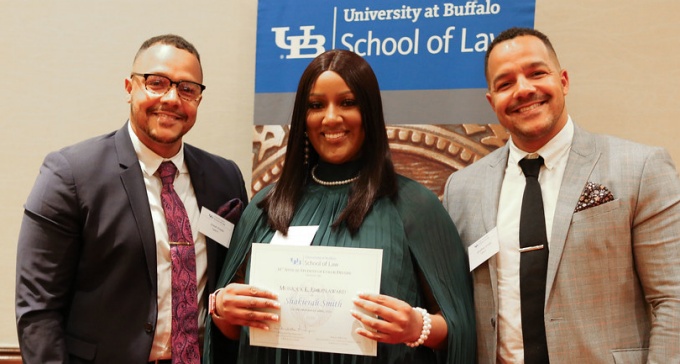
x=161 y=128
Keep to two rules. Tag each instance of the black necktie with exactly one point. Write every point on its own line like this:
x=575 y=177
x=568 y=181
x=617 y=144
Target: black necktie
x=533 y=264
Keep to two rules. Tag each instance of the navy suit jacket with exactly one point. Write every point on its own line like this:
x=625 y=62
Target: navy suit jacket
x=86 y=282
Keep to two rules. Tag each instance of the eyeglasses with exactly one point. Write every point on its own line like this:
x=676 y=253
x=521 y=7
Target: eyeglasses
x=160 y=85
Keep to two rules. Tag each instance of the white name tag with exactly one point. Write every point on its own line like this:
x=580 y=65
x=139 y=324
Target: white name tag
x=297 y=235
x=215 y=227
x=483 y=249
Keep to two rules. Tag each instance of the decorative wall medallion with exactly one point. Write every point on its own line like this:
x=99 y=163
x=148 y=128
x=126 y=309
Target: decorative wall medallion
x=425 y=153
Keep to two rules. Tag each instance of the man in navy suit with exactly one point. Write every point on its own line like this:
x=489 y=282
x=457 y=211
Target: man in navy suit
x=93 y=266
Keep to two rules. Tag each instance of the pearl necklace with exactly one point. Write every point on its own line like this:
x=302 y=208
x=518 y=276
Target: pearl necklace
x=332 y=183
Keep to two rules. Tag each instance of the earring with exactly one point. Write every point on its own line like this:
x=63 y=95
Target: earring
x=306 y=149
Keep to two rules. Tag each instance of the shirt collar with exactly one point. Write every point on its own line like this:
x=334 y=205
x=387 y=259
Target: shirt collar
x=150 y=161
x=551 y=152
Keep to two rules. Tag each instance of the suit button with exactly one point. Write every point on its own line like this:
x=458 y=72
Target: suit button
x=493 y=322
x=148 y=327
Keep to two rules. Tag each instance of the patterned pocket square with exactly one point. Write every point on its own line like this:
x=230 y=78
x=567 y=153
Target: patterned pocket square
x=593 y=194
x=231 y=210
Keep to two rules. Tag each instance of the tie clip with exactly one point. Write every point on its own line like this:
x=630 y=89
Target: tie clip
x=188 y=243
x=530 y=248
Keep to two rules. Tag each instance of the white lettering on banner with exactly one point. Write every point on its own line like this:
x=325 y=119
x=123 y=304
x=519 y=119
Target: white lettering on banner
x=371 y=46
x=471 y=8
x=432 y=12
x=481 y=46
x=305 y=44
x=296 y=44
x=436 y=43
x=406 y=12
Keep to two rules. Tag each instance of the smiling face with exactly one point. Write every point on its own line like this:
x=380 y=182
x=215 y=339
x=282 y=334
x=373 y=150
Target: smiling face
x=334 y=124
x=160 y=121
x=527 y=90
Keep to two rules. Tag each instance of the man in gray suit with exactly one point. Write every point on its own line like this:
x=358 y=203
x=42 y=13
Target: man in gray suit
x=612 y=213
x=93 y=268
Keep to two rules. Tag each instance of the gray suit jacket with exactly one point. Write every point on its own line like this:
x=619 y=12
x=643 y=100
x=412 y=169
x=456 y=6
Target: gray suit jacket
x=613 y=284
x=86 y=282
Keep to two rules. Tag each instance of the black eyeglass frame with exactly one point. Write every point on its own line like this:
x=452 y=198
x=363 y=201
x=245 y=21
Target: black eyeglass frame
x=172 y=83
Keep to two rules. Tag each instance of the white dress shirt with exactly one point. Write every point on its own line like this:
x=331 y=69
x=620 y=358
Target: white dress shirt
x=555 y=154
x=149 y=162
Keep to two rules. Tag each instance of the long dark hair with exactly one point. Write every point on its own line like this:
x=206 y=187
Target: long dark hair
x=377 y=177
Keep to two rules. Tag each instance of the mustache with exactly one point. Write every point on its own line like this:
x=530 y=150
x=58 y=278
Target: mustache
x=171 y=110
x=521 y=101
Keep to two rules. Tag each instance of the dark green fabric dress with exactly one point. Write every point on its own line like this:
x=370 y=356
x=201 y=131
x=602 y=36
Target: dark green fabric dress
x=413 y=230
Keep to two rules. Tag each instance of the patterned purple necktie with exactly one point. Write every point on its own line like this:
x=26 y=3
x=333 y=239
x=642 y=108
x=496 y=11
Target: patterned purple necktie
x=185 y=348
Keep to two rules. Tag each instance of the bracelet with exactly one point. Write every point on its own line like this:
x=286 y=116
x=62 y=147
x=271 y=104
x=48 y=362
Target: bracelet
x=427 y=325
x=212 y=303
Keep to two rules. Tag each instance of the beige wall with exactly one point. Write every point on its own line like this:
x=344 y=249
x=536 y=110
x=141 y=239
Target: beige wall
x=63 y=65
x=62 y=70
x=623 y=59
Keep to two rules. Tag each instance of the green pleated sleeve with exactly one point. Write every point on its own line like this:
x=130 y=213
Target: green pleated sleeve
x=414 y=232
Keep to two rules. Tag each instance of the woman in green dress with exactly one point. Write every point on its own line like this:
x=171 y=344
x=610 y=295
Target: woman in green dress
x=338 y=175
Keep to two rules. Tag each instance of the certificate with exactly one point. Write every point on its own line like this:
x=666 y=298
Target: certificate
x=316 y=286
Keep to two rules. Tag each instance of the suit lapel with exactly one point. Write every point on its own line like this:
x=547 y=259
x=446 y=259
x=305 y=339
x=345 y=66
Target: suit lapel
x=582 y=158
x=203 y=198
x=493 y=179
x=197 y=175
x=133 y=183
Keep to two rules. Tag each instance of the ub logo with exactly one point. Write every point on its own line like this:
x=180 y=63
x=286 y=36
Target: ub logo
x=300 y=46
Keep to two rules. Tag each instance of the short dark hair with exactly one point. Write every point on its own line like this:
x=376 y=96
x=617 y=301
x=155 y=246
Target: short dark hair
x=513 y=33
x=377 y=177
x=170 y=39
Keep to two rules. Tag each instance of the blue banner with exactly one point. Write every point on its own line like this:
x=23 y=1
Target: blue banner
x=411 y=45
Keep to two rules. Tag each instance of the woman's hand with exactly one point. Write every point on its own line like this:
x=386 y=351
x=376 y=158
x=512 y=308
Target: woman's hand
x=243 y=305
x=395 y=321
